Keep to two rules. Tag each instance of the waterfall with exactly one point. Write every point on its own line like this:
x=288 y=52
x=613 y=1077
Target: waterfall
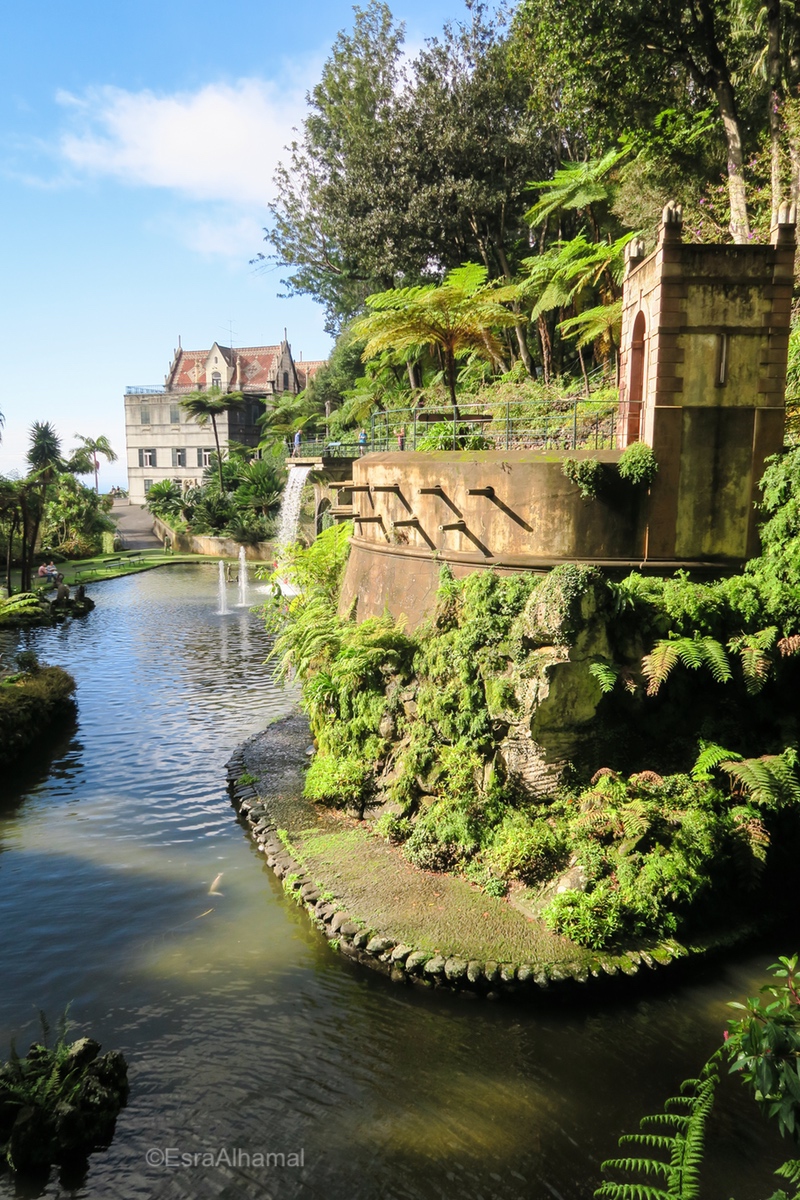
x=222 y=607
x=290 y=519
x=243 y=601
x=290 y=508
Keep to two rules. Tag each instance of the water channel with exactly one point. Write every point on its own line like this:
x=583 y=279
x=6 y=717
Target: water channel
x=243 y=1031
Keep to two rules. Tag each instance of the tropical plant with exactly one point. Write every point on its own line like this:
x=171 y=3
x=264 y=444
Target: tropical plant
x=455 y=318
x=206 y=406
x=90 y=448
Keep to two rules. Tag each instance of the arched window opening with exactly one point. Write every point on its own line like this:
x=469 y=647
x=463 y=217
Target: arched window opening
x=632 y=415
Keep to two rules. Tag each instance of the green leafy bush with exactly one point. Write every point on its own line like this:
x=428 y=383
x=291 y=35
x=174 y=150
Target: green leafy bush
x=586 y=474
x=29 y=703
x=526 y=846
x=342 y=782
x=637 y=464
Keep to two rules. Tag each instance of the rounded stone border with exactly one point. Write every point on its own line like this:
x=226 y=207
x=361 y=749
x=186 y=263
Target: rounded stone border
x=403 y=963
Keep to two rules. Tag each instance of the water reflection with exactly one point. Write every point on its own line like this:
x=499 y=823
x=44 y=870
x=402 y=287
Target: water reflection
x=241 y=1028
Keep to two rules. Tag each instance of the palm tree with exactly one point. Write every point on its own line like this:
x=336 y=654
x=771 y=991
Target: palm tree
x=90 y=448
x=207 y=406
x=457 y=317
x=45 y=458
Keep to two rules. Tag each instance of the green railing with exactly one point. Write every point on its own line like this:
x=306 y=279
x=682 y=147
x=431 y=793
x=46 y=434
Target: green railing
x=571 y=424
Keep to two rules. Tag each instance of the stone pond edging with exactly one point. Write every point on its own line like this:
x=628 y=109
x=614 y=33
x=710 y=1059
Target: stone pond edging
x=406 y=964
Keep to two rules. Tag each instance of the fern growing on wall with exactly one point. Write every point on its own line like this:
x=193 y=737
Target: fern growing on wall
x=693 y=653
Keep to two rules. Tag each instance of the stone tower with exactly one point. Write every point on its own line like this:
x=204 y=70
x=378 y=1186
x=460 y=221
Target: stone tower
x=705 y=333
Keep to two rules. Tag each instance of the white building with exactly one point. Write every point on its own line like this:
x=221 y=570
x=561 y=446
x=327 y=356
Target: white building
x=164 y=443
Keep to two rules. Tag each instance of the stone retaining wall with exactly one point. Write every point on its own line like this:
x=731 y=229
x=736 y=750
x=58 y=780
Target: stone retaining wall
x=214 y=547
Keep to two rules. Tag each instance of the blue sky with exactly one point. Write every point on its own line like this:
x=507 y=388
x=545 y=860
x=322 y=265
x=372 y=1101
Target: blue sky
x=137 y=148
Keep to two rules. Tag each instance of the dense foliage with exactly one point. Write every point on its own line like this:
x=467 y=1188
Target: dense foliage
x=425 y=731
x=49 y=510
x=31 y=699
x=515 y=146
x=243 y=506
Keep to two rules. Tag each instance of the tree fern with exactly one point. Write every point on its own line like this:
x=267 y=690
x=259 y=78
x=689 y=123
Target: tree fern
x=681 y=1143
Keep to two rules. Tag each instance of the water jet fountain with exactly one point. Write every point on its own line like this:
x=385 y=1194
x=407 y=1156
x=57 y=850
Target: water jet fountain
x=243 y=601
x=222 y=606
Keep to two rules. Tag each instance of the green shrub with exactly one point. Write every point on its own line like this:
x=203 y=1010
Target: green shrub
x=591 y=919
x=342 y=782
x=526 y=848
x=28 y=705
x=586 y=474
x=637 y=464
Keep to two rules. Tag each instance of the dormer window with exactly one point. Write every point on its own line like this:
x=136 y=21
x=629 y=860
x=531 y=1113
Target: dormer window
x=286 y=381
x=216 y=379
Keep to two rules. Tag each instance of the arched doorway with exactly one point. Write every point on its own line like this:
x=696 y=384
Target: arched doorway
x=324 y=518
x=631 y=410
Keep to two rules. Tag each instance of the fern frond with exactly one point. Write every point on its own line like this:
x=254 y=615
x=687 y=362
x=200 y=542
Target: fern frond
x=716 y=659
x=657 y=665
x=754 y=652
x=710 y=757
x=685 y=1146
x=770 y=780
x=789 y=645
x=605 y=675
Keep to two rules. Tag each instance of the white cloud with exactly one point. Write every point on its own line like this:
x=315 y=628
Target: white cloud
x=220 y=143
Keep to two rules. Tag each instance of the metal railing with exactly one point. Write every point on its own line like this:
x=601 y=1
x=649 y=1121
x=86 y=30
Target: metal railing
x=183 y=389
x=572 y=424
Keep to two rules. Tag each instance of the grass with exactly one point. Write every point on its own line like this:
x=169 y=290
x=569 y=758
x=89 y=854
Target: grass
x=113 y=566
x=434 y=912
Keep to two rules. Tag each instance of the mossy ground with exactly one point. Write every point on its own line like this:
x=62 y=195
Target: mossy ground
x=376 y=885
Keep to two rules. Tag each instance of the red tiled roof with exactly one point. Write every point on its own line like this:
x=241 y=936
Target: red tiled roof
x=307 y=370
x=257 y=366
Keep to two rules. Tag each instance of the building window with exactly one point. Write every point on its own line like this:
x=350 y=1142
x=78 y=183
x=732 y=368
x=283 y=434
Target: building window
x=148 y=483
x=216 y=379
x=174 y=414
x=178 y=457
x=286 y=381
x=147 y=458
x=145 y=414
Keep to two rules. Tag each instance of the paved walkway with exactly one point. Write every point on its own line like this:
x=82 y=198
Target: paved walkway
x=134 y=525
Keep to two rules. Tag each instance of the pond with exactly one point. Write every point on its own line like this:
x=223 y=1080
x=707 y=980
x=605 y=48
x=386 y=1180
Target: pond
x=245 y=1035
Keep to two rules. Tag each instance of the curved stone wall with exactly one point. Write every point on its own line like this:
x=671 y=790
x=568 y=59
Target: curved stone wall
x=509 y=510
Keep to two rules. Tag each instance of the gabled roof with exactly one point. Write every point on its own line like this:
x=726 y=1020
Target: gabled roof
x=255 y=367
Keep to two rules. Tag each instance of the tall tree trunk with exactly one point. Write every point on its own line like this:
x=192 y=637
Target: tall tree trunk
x=450 y=370
x=219 y=455
x=10 y=551
x=774 y=97
x=519 y=328
x=737 y=192
x=546 y=343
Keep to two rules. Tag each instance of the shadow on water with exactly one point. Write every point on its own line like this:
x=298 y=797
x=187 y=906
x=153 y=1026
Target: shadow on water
x=48 y=756
x=243 y=1030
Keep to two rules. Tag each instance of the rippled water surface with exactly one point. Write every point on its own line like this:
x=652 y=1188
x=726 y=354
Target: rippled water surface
x=245 y=1035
